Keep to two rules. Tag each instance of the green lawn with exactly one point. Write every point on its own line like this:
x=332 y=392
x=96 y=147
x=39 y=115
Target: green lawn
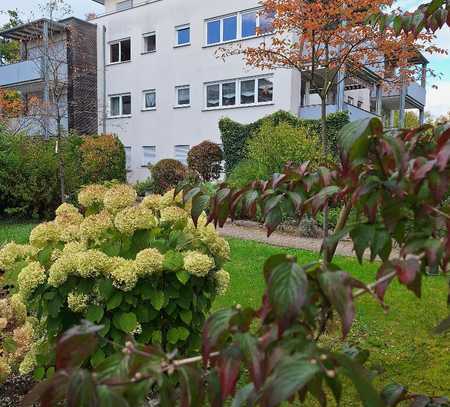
x=402 y=348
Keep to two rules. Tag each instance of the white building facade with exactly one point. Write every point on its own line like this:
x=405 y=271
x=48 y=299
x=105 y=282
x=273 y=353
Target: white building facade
x=162 y=88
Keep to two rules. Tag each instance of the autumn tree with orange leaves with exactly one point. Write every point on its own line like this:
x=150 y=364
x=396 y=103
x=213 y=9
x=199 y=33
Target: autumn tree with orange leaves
x=329 y=41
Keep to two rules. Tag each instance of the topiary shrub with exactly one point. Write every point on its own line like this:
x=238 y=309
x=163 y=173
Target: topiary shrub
x=102 y=159
x=206 y=159
x=166 y=174
x=246 y=171
x=137 y=269
x=275 y=145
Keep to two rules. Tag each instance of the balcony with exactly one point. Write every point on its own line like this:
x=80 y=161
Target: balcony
x=313 y=112
x=415 y=97
x=20 y=73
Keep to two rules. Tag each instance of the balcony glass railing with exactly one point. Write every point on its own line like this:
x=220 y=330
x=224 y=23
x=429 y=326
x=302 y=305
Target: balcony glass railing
x=21 y=72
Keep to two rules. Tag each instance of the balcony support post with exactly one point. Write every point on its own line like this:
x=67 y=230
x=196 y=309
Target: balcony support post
x=379 y=103
x=401 y=113
x=340 y=91
x=45 y=68
x=391 y=118
x=421 y=117
x=423 y=81
x=307 y=93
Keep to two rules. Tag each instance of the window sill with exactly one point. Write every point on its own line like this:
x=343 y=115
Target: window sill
x=252 y=37
x=150 y=109
x=209 y=109
x=118 y=63
x=148 y=52
x=181 y=106
x=182 y=45
x=119 y=117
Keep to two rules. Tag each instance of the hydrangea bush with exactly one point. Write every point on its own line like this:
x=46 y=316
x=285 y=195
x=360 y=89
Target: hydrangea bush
x=137 y=268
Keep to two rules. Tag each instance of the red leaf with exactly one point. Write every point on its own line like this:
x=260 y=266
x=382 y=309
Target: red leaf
x=407 y=270
x=443 y=157
x=229 y=365
x=381 y=288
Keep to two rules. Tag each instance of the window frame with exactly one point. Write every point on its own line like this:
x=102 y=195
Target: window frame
x=144 y=97
x=119 y=42
x=239 y=26
x=179 y=28
x=238 y=87
x=144 y=37
x=177 y=89
x=120 y=96
x=128 y=162
x=175 y=152
x=144 y=164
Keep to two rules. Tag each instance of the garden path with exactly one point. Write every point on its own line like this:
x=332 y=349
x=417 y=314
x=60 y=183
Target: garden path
x=252 y=231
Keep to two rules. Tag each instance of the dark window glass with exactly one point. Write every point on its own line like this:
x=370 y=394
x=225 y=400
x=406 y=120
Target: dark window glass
x=230 y=28
x=248 y=92
x=229 y=94
x=150 y=100
x=150 y=43
x=184 y=96
x=265 y=22
x=184 y=36
x=265 y=90
x=249 y=24
x=213 y=35
x=115 y=56
x=115 y=106
x=213 y=95
x=126 y=104
x=125 y=50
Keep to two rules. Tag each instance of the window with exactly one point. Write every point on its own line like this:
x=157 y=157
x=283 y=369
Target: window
x=265 y=90
x=213 y=95
x=360 y=104
x=181 y=153
x=183 y=95
x=249 y=24
x=350 y=100
x=222 y=30
x=150 y=42
x=183 y=35
x=149 y=153
x=248 y=91
x=150 y=99
x=120 y=105
x=120 y=51
x=238 y=26
x=128 y=159
x=239 y=92
x=124 y=5
x=229 y=94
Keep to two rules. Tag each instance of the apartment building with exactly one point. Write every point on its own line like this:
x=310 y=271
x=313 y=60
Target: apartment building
x=56 y=76
x=163 y=89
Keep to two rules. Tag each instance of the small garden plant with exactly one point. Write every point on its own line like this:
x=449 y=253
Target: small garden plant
x=140 y=269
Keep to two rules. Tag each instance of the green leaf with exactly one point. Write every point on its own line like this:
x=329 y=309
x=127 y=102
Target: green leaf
x=290 y=375
x=353 y=138
x=199 y=204
x=287 y=288
x=106 y=288
x=126 y=321
x=39 y=373
x=157 y=300
x=107 y=398
x=94 y=313
x=114 y=301
x=242 y=395
x=186 y=316
x=173 y=261
x=9 y=344
x=183 y=276
x=357 y=374
x=97 y=358
x=82 y=390
x=393 y=394
x=177 y=334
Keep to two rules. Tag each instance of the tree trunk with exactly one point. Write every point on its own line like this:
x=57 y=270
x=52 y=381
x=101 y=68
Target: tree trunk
x=324 y=137
x=61 y=162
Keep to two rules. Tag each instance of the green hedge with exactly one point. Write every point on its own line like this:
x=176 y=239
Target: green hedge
x=235 y=135
x=29 y=171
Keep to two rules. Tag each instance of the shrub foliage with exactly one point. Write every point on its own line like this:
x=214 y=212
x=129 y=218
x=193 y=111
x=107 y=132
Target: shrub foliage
x=141 y=270
x=206 y=159
x=166 y=174
x=236 y=135
x=29 y=175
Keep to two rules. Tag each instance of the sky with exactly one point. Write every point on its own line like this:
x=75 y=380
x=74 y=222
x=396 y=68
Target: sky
x=437 y=98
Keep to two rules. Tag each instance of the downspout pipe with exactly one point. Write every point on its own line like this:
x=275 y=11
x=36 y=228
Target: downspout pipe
x=104 y=78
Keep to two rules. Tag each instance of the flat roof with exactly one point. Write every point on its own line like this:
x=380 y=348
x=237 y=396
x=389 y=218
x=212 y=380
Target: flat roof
x=31 y=30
